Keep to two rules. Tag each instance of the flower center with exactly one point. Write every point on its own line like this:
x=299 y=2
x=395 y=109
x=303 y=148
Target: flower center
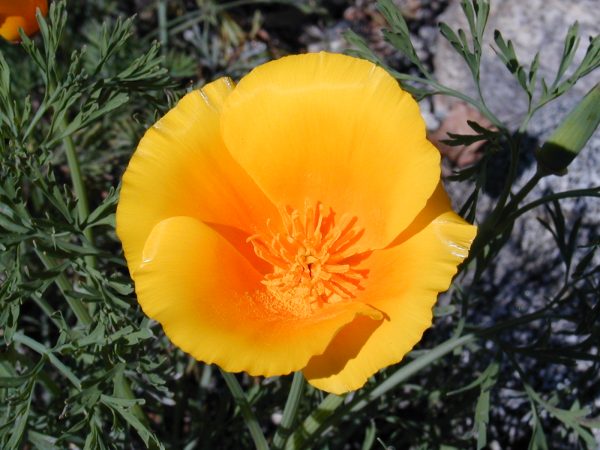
x=314 y=260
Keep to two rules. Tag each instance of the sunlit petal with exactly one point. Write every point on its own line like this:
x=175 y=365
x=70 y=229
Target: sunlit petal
x=338 y=130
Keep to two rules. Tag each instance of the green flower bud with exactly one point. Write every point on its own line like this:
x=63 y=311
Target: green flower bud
x=571 y=135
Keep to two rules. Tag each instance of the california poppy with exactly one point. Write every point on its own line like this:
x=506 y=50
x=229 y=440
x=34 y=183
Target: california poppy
x=15 y=14
x=295 y=221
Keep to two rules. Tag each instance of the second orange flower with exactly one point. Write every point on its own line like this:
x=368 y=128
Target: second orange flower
x=16 y=14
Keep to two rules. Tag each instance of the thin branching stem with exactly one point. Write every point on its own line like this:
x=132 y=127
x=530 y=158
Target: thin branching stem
x=412 y=368
x=505 y=218
x=56 y=319
x=444 y=90
x=122 y=385
x=315 y=423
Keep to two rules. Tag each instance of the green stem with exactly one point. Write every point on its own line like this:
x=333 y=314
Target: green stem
x=484 y=107
x=523 y=192
x=440 y=89
x=83 y=317
x=510 y=324
x=575 y=193
x=290 y=411
x=121 y=384
x=80 y=310
x=181 y=23
x=327 y=413
x=526 y=119
x=505 y=218
x=318 y=421
x=258 y=437
x=163 y=32
x=123 y=389
x=83 y=207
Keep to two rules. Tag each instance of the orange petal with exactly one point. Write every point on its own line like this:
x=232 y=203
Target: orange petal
x=19 y=14
x=181 y=168
x=403 y=282
x=209 y=300
x=338 y=130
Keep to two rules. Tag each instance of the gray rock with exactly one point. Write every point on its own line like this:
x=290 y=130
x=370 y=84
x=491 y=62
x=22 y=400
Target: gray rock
x=536 y=25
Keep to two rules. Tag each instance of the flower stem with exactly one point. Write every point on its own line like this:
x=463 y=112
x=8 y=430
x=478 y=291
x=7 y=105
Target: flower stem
x=575 y=193
x=290 y=411
x=122 y=389
x=313 y=425
x=83 y=207
x=163 y=31
x=242 y=402
x=327 y=413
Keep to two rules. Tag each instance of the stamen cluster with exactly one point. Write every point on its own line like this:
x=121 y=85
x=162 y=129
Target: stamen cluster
x=314 y=259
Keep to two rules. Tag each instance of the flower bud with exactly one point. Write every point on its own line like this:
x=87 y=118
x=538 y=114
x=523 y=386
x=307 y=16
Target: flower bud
x=571 y=136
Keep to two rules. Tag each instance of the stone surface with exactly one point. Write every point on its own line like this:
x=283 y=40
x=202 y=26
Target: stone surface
x=534 y=26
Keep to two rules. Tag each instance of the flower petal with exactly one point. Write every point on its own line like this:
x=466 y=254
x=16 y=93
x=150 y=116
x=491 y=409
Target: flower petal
x=181 y=168
x=204 y=293
x=333 y=129
x=404 y=282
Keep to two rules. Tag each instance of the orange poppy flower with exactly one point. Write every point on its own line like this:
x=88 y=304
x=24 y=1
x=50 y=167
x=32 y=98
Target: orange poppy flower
x=15 y=14
x=295 y=221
